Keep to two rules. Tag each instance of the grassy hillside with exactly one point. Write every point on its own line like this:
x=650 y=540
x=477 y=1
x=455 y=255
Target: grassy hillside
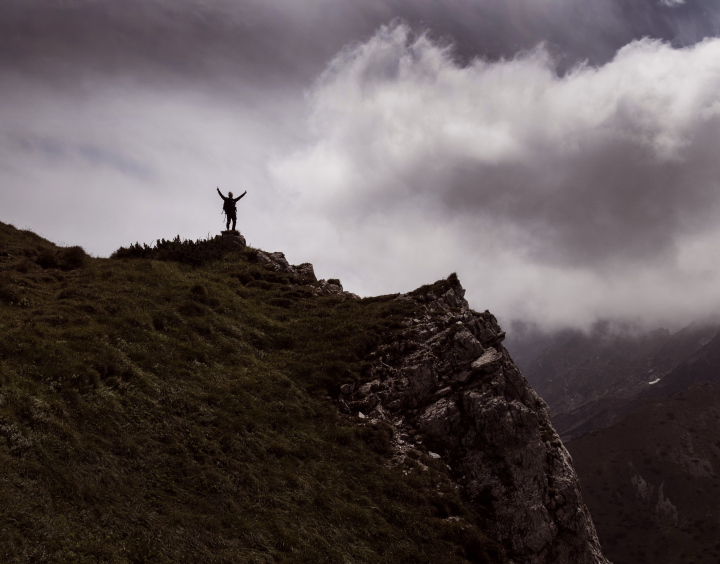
x=181 y=410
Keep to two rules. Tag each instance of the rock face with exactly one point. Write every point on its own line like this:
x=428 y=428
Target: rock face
x=453 y=387
x=278 y=262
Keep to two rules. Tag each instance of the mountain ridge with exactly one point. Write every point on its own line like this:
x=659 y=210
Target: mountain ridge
x=185 y=402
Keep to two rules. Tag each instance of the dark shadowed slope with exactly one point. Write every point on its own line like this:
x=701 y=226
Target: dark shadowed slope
x=651 y=480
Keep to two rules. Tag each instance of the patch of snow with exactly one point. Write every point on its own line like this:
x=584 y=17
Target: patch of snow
x=655 y=381
x=705 y=340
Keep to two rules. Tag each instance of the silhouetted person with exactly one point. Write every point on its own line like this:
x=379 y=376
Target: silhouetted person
x=229 y=208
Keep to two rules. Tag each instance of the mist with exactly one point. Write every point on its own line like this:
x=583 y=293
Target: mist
x=561 y=198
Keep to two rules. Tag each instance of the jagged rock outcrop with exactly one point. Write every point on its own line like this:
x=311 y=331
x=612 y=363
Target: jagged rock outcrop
x=332 y=287
x=278 y=263
x=452 y=386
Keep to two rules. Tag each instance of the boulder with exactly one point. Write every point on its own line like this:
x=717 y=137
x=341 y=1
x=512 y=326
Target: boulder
x=487 y=363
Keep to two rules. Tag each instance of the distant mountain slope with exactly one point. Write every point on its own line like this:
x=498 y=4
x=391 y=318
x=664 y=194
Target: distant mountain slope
x=591 y=380
x=208 y=402
x=652 y=480
x=703 y=365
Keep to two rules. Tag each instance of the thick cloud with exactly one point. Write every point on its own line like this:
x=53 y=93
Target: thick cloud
x=602 y=183
x=557 y=191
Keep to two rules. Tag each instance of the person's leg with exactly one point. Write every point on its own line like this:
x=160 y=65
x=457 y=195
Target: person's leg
x=227 y=225
x=234 y=218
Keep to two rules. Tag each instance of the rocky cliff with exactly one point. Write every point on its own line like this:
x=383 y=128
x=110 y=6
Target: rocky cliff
x=451 y=387
x=178 y=403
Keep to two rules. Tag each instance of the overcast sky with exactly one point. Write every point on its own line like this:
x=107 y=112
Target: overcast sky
x=563 y=156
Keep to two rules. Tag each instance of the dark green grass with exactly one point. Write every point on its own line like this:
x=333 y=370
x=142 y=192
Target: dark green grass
x=155 y=411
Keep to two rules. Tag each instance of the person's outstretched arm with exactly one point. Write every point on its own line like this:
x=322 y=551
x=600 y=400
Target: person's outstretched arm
x=241 y=195
x=219 y=192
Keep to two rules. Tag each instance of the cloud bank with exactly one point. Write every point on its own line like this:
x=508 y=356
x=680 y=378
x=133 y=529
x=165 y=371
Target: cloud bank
x=567 y=182
x=563 y=198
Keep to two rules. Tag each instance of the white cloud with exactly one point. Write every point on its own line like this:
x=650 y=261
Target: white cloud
x=556 y=198
x=560 y=197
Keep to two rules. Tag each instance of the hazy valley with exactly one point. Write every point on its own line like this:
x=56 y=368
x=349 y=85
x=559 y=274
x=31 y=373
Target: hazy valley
x=639 y=413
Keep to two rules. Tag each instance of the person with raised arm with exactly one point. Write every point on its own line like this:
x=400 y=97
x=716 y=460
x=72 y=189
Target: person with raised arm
x=230 y=207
